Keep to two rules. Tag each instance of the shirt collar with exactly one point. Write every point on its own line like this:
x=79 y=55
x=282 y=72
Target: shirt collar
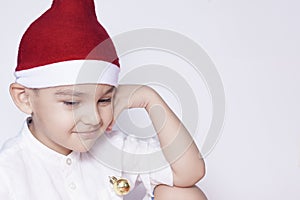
x=43 y=151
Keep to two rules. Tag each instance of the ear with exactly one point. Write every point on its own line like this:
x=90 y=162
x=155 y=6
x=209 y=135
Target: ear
x=20 y=96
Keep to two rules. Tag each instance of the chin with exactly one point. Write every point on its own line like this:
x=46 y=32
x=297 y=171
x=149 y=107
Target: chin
x=84 y=147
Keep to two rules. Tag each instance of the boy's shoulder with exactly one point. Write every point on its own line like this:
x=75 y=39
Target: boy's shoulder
x=11 y=152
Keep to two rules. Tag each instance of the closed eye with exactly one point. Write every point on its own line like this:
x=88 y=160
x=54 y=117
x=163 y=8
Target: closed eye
x=107 y=100
x=71 y=103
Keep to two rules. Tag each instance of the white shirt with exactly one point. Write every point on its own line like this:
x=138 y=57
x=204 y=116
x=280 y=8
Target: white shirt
x=31 y=171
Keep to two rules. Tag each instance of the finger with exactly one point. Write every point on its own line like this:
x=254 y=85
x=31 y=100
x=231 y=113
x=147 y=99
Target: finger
x=109 y=128
x=117 y=111
x=117 y=107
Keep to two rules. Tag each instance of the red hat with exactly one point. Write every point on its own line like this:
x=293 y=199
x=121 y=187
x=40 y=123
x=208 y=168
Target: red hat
x=67 y=45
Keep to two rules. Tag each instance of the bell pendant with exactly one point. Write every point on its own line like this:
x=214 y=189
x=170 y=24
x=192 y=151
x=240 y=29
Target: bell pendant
x=121 y=186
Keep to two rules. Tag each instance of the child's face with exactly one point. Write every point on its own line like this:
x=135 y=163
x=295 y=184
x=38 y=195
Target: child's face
x=70 y=118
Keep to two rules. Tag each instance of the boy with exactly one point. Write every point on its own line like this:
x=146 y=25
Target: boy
x=66 y=80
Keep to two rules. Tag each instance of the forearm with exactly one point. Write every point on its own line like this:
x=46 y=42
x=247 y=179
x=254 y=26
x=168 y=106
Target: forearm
x=177 y=144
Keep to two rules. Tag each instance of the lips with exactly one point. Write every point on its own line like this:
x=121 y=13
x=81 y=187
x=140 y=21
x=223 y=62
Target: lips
x=88 y=134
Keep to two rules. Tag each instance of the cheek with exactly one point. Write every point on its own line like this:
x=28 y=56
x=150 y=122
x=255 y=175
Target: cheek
x=56 y=118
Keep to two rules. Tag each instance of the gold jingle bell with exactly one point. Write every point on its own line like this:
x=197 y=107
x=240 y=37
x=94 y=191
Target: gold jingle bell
x=121 y=186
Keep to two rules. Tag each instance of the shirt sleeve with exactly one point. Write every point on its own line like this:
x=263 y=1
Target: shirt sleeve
x=147 y=164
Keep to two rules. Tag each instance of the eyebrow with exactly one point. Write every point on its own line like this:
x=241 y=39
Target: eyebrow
x=68 y=93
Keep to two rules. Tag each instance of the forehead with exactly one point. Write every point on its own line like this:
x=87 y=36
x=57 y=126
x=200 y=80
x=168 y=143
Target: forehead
x=79 y=90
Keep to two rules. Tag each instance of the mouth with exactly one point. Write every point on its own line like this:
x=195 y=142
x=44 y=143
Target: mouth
x=89 y=134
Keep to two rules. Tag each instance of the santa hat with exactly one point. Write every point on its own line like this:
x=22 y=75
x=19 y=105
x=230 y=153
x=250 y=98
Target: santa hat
x=67 y=45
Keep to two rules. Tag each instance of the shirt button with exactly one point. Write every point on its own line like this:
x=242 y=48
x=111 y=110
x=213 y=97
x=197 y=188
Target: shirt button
x=72 y=186
x=69 y=161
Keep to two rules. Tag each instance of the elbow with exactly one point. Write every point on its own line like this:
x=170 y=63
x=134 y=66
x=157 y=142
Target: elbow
x=191 y=177
x=197 y=176
x=200 y=174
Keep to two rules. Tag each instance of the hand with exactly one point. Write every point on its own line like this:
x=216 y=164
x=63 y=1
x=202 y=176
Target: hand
x=132 y=96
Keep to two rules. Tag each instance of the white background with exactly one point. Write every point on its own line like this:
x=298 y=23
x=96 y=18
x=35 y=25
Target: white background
x=254 y=45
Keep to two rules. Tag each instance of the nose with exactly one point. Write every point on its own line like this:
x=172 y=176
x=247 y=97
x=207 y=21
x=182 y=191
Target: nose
x=90 y=115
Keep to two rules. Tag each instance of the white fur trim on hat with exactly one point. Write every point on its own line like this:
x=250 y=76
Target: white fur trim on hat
x=69 y=73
